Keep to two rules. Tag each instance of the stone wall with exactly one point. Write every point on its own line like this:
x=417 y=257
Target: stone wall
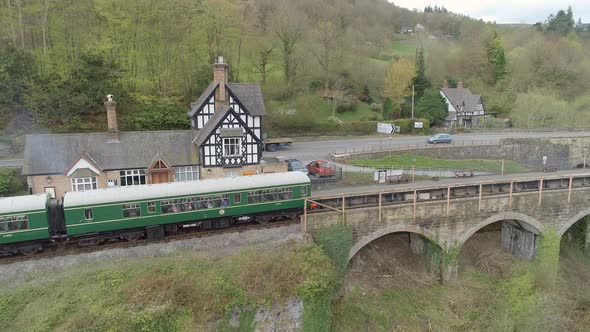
x=562 y=152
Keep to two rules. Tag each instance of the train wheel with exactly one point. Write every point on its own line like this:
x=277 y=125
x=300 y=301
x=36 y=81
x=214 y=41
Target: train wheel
x=263 y=220
x=132 y=237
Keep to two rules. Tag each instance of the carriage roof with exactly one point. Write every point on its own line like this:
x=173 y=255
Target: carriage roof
x=176 y=189
x=25 y=203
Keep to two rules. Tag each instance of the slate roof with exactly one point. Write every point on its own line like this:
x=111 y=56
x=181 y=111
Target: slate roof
x=462 y=96
x=53 y=153
x=248 y=94
x=211 y=125
x=202 y=99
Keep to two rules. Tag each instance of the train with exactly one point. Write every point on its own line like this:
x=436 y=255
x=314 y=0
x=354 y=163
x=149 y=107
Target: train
x=32 y=223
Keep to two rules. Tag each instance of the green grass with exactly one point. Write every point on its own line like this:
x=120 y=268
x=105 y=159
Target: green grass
x=476 y=302
x=405 y=159
x=321 y=110
x=404 y=47
x=177 y=293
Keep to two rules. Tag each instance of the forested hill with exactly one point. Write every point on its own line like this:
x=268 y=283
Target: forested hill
x=60 y=58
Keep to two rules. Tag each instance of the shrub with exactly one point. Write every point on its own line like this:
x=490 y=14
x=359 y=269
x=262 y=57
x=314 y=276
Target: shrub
x=495 y=123
x=346 y=104
x=377 y=108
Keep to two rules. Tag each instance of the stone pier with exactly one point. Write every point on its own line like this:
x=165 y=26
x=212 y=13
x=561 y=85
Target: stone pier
x=521 y=239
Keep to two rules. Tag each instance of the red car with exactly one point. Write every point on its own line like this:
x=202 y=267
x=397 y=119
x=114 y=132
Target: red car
x=320 y=168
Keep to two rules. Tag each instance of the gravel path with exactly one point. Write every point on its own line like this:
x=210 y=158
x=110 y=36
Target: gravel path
x=216 y=245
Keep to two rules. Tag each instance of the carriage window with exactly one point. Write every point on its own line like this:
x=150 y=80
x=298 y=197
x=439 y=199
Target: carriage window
x=15 y=223
x=303 y=191
x=88 y=214
x=168 y=207
x=131 y=210
x=269 y=195
x=237 y=197
x=2 y=224
x=151 y=207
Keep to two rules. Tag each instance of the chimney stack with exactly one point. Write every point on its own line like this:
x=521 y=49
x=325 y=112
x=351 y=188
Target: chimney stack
x=445 y=84
x=221 y=76
x=460 y=85
x=113 y=128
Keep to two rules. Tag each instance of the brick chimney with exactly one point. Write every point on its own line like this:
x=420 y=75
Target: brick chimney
x=221 y=75
x=460 y=85
x=113 y=128
x=445 y=84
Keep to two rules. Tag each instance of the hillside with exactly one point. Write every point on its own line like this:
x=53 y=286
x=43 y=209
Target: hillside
x=60 y=58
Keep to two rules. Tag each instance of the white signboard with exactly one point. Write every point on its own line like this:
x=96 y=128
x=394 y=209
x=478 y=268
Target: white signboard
x=385 y=128
x=418 y=124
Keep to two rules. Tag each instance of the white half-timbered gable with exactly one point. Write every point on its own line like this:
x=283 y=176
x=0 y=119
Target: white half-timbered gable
x=227 y=141
x=228 y=120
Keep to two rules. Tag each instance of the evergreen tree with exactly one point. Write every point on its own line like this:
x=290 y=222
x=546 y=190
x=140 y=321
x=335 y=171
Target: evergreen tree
x=387 y=109
x=496 y=58
x=432 y=107
x=561 y=23
x=421 y=82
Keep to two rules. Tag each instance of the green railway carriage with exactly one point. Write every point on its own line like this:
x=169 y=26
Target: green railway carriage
x=129 y=211
x=23 y=219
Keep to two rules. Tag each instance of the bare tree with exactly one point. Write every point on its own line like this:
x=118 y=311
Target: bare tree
x=289 y=31
x=260 y=60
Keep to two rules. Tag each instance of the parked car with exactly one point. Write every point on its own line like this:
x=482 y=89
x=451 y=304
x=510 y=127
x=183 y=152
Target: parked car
x=320 y=168
x=440 y=138
x=294 y=165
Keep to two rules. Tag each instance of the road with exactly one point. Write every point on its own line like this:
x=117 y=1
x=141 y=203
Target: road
x=11 y=163
x=323 y=149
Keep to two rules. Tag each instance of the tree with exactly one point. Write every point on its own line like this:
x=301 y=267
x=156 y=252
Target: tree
x=421 y=82
x=289 y=31
x=432 y=107
x=561 y=23
x=398 y=79
x=496 y=58
x=387 y=109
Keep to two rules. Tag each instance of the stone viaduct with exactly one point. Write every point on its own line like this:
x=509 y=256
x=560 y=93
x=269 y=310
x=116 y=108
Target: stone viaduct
x=450 y=221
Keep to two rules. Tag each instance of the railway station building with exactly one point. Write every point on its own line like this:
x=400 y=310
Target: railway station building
x=225 y=141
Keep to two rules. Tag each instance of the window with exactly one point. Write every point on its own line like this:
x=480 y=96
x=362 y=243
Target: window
x=303 y=191
x=50 y=190
x=269 y=195
x=151 y=207
x=83 y=184
x=237 y=197
x=132 y=177
x=232 y=146
x=186 y=173
x=13 y=223
x=131 y=210
x=88 y=214
x=194 y=203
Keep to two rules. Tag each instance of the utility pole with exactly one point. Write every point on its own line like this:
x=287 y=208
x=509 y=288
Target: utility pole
x=412 y=101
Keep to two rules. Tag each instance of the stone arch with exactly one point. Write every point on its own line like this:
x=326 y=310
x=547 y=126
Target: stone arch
x=363 y=241
x=571 y=221
x=499 y=217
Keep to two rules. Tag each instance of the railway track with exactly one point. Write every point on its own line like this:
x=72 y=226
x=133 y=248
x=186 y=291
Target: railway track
x=73 y=249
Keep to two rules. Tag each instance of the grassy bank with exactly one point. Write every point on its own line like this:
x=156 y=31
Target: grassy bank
x=405 y=159
x=477 y=302
x=180 y=293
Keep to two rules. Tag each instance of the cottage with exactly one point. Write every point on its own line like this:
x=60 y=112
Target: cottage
x=465 y=108
x=225 y=140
